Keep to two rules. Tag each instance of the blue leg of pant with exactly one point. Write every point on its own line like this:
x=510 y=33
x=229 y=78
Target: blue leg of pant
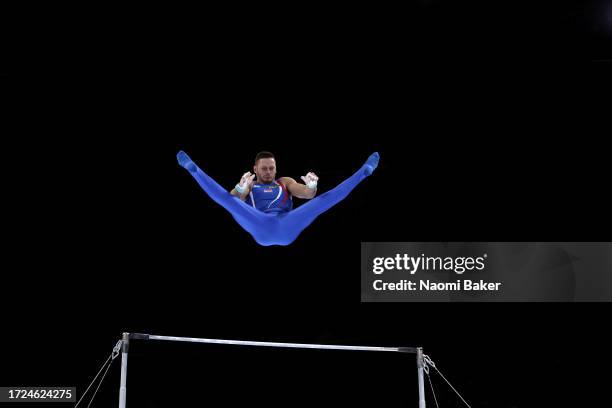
x=295 y=222
x=261 y=226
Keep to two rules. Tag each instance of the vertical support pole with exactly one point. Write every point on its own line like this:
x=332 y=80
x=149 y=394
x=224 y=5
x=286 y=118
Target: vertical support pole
x=420 y=368
x=124 y=360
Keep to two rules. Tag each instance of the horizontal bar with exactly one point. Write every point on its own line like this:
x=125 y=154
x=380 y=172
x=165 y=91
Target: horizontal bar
x=273 y=344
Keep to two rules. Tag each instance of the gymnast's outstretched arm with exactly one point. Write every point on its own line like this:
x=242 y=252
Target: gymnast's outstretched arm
x=307 y=190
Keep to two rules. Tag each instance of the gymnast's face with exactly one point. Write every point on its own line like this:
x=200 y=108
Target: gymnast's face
x=265 y=169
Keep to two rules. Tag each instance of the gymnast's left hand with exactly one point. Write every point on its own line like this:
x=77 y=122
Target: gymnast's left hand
x=310 y=180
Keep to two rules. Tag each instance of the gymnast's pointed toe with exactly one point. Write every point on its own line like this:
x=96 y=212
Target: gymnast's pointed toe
x=185 y=161
x=372 y=163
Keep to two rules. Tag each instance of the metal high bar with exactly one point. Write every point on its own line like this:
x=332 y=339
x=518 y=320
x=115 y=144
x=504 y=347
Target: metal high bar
x=141 y=336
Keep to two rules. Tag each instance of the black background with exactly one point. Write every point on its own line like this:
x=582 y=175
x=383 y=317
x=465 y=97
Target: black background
x=489 y=127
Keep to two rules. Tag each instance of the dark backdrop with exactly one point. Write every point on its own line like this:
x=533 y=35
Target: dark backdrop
x=488 y=126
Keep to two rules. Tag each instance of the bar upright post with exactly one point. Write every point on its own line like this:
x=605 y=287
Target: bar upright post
x=421 y=368
x=124 y=360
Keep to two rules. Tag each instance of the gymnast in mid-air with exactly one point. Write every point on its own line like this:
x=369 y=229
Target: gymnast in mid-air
x=263 y=205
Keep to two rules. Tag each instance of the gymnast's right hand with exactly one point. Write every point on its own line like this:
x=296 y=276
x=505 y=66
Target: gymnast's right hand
x=245 y=182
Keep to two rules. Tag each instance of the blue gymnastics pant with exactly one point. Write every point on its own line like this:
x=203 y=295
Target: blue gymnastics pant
x=276 y=228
